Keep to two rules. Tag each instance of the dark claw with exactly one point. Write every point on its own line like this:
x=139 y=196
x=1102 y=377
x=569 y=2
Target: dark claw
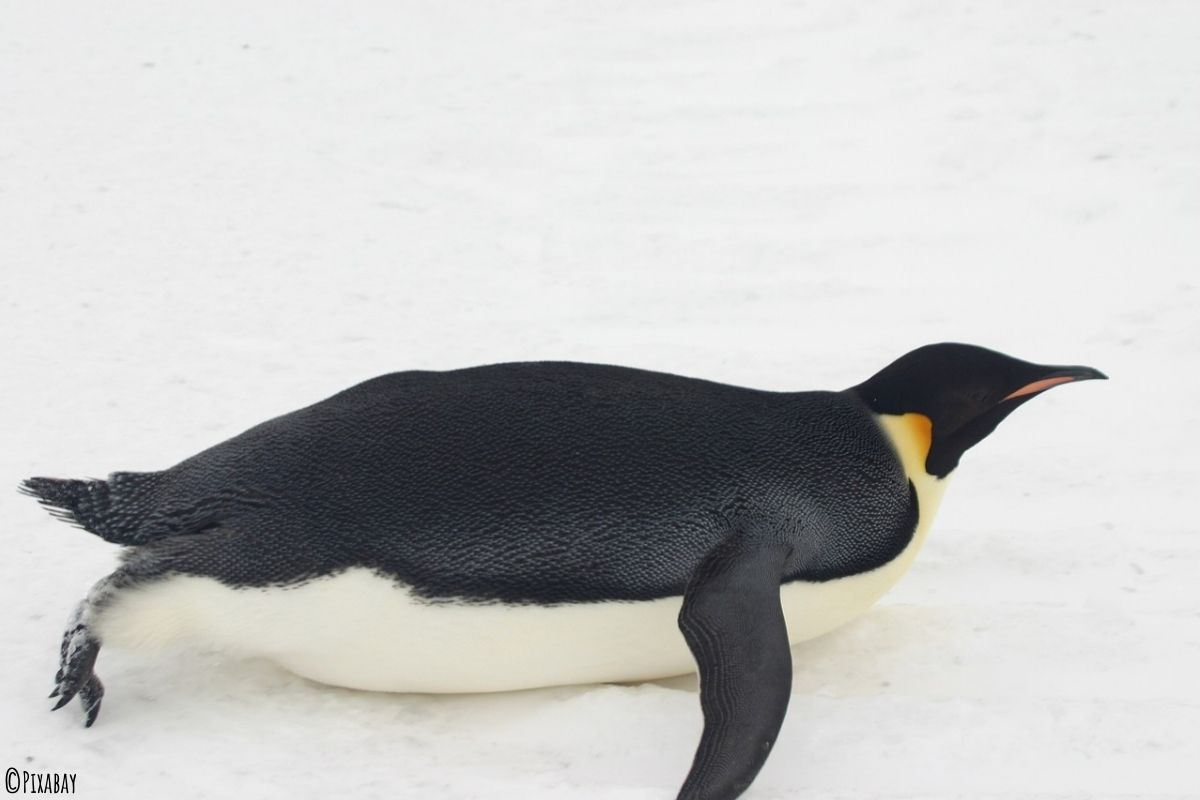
x=75 y=675
x=90 y=695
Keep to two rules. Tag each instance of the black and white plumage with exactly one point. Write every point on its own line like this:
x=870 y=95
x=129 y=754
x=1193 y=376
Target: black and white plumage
x=532 y=524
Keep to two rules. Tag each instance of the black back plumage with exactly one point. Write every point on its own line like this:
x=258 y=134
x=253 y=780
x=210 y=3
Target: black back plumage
x=535 y=482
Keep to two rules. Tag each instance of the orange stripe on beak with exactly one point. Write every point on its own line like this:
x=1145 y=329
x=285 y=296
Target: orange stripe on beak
x=1038 y=386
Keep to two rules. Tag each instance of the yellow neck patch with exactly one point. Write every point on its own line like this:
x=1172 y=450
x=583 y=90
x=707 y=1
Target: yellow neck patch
x=912 y=436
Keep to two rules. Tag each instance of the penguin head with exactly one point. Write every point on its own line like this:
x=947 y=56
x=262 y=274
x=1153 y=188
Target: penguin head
x=964 y=391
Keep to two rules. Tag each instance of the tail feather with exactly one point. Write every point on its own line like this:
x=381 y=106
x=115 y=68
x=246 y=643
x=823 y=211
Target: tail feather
x=115 y=509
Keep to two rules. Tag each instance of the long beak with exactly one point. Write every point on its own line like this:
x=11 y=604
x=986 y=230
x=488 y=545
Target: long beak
x=1055 y=376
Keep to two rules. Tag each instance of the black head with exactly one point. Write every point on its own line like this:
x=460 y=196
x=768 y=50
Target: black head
x=964 y=390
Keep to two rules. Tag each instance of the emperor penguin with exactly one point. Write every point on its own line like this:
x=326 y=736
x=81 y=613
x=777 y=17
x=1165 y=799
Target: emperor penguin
x=542 y=523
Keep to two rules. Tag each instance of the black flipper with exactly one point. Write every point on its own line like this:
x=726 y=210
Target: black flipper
x=733 y=623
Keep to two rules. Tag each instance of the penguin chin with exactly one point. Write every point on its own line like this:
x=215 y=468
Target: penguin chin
x=946 y=450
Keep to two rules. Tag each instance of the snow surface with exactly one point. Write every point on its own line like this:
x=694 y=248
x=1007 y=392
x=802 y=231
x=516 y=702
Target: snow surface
x=213 y=214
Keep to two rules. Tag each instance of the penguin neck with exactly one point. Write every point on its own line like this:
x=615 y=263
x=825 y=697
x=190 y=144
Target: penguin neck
x=911 y=436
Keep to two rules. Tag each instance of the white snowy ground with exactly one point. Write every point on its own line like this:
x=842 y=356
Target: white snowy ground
x=212 y=215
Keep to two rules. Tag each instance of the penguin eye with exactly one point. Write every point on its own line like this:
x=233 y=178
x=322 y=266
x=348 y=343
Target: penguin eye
x=979 y=395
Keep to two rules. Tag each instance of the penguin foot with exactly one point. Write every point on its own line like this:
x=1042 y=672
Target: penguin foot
x=75 y=674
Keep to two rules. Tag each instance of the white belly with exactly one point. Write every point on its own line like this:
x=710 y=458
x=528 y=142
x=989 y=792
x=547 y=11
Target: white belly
x=364 y=631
